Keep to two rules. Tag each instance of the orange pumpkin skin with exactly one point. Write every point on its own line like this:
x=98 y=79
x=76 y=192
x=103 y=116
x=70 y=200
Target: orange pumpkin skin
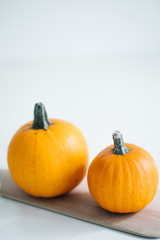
x=48 y=163
x=123 y=183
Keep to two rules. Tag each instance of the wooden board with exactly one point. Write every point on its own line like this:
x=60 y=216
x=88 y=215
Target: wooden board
x=79 y=204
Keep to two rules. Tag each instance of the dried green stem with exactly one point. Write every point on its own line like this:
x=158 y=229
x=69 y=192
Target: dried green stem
x=119 y=147
x=40 y=117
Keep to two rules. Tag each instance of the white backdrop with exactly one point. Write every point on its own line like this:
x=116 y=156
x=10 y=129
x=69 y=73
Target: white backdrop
x=93 y=63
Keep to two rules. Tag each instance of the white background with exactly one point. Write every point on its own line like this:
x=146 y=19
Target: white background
x=93 y=63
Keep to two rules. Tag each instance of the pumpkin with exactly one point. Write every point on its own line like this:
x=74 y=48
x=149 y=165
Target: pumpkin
x=47 y=157
x=123 y=178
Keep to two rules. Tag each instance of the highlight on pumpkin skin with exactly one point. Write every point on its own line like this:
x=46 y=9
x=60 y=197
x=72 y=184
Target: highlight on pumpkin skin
x=47 y=157
x=123 y=177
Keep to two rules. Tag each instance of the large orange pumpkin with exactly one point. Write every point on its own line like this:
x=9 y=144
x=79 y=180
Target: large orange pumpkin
x=47 y=158
x=123 y=178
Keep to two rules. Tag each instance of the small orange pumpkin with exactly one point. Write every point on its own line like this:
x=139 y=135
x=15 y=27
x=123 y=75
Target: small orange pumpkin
x=47 y=158
x=123 y=178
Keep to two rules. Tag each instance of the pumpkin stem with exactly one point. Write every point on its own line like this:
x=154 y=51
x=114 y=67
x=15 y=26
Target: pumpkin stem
x=40 y=117
x=119 y=147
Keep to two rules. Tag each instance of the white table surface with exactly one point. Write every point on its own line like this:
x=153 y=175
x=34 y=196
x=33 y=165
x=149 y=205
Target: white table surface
x=22 y=222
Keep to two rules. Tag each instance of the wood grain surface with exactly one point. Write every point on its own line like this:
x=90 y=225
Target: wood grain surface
x=79 y=204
